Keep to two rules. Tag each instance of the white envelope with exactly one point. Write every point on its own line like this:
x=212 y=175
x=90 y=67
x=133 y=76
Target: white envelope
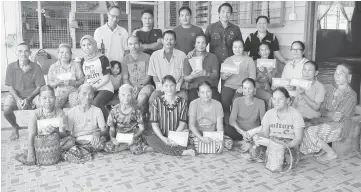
x=124 y=137
x=159 y=86
x=214 y=135
x=305 y=84
x=65 y=76
x=180 y=138
x=85 y=137
x=229 y=68
x=196 y=63
x=43 y=123
x=279 y=82
x=267 y=63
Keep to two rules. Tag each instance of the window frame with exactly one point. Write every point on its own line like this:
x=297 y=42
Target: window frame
x=178 y=6
x=270 y=25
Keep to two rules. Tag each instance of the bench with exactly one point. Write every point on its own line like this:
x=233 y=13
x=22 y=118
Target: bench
x=348 y=145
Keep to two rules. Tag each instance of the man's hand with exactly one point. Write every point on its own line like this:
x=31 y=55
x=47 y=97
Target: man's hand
x=239 y=90
x=25 y=103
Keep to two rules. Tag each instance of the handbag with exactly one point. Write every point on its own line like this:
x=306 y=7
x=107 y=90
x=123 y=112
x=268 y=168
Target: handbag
x=47 y=149
x=275 y=156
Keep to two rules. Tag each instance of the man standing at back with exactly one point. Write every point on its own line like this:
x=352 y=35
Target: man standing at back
x=112 y=36
x=221 y=34
x=186 y=32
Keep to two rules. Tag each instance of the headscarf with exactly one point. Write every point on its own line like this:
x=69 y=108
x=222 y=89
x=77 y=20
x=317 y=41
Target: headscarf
x=96 y=54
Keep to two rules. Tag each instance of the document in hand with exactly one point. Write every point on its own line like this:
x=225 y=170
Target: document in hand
x=124 y=137
x=305 y=84
x=180 y=138
x=65 y=76
x=43 y=123
x=159 y=86
x=212 y=146
x=279 y=82
x=266 y=63
x=229 y=68
x=196 y=63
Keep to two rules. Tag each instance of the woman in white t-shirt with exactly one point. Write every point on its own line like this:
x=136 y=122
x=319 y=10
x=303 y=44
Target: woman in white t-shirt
x=96 y=69
x=282 y=123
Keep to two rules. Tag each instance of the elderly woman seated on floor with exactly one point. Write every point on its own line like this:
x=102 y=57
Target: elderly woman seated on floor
x=87 y=126
x=168 y=113
x=283 y=124
x=206 y=115
x=308 y=102
x=125 y=119
x=335 y=121
x=46 y=111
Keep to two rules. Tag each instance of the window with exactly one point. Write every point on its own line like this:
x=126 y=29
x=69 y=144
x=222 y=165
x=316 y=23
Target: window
x=201 y=15
x=245 y=13
x=335 y=19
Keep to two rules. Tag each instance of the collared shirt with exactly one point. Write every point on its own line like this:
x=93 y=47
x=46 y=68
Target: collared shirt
x=293 y=70
x=220 y=39
x=115 y=42
x=58 y=71
x=159 y=66
x=136 y=69
x=148 y=37
x=252 y=44
x=186 y=37
x=209 y=64
x=24 y=82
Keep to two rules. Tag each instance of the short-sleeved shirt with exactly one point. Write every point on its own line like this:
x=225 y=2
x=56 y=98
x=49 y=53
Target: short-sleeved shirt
x=206 y=116
x=58 y=71
x=186 y=37
x=283 y=128
x=168 y=116
x=125 y=123
x=115 y=42
x=293 y=70
x=84 y=123
x=159 y=66
x=137 y=69
x=24 y=82
x=247 y=116
x=95 y=70
x=252 y=44
x=247 y=69
x=315 y=93
x=220 y=39
x=148 y=37
x=209 y=64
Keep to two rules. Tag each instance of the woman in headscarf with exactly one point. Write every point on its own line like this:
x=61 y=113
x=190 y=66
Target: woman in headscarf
x=96 y=69
x=65 y=76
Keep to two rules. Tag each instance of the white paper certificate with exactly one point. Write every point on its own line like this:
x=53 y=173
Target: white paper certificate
x=196 y=63
x=65 y=76
x=43 y=123
x=266 y=63
x=229 y=68
x=180 y=138
x=305 y=84
x=279 y=82
x=124 y=137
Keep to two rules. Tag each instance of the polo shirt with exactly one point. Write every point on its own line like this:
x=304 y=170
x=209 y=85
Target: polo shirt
x=209 y=64
x=24 y=82
x=220 y=39
x=115 y=42
x=186 y=37
x=252 y=44
x=293 y=70
x=159 y=66
x=136 y=69
x=148 y=37
x=95 y=70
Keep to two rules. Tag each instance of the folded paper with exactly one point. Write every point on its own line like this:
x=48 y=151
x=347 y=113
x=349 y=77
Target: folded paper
x=65 y=76
x=180 y=138
x=44 y=123
x=305 y=84
x=266 y=63
x=196 y=63
x=229 y=68
x=124 y=137
x=279 y=82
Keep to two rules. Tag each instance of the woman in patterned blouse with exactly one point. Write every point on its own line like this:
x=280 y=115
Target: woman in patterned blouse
x=168 y=113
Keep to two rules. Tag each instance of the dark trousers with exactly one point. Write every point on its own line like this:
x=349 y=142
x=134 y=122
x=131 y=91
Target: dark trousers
x=101 y=98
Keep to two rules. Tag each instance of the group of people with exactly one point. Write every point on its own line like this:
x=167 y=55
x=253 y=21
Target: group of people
x=159 y=92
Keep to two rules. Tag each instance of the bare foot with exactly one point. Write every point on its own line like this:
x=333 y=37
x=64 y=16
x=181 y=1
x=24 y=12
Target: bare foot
x=327 y=157
x=14 y=134
x=148 y=149
x=189 y=152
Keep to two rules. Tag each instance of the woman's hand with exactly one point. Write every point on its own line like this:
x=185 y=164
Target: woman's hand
x=50 y=129
x=167 y=141
x=225 y=76
x=114 y=141
x=196 y=73
x=261 y=69
x=246 y=135
x=300 y=90
x=221 y=147
x=262 y=141
x=190 y=54
x=205 y=140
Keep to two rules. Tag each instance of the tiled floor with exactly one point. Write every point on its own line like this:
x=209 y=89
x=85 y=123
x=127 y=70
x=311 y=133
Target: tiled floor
x=157 y=172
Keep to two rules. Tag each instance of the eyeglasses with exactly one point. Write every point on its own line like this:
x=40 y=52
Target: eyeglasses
x=296 y=49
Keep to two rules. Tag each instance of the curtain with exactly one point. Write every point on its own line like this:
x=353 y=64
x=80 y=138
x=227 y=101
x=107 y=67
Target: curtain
x=322 y=10
x=348 y=17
